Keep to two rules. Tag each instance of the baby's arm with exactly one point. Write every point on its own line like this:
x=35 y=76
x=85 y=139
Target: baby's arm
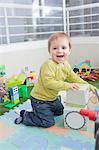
x=74 y=86
x=47 y=75
x=73 y=77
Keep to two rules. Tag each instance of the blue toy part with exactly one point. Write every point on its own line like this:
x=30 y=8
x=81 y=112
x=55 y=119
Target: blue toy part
x=13 y=90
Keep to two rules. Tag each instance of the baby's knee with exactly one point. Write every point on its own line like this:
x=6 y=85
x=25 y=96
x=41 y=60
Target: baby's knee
x=48 y=124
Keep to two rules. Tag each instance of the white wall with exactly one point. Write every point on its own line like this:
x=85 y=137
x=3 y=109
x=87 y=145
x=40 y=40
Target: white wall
x=83 y=52
x=32 y=54
x=85 y=48
x=16 y=57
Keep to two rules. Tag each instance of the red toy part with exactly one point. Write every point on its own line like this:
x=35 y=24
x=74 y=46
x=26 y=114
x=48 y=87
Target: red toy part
x=88 y=113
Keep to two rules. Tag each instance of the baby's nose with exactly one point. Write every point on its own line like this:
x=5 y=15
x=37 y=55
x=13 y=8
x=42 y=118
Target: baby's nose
x=59 y=49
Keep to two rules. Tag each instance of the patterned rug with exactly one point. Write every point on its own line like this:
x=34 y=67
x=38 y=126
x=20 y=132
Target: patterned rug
x=21 y=137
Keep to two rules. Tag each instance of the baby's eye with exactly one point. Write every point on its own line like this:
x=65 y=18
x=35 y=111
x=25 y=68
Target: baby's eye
x=54 y=48
x=63 y=47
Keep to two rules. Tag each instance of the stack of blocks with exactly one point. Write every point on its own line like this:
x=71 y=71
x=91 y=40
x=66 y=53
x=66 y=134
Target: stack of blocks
x=73 y=101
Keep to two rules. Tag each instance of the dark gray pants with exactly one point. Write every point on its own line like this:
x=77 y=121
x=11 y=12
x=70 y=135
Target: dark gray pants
x=43 y=112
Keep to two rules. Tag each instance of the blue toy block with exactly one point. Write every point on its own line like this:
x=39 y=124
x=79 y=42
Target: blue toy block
x=14 y=97
x=13 y=90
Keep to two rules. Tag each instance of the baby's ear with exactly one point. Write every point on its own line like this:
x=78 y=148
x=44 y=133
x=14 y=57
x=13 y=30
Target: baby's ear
x=69 y=52
x=70 y=45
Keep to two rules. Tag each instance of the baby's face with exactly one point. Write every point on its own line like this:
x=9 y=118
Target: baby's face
x=59 y=49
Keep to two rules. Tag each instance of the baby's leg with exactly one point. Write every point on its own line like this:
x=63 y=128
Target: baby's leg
x=20 y=118
x=17 y=111
x=58 y=107
x=21 y=113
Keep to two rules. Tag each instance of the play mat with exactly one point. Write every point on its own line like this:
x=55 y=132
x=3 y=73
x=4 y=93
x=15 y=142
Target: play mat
x=21 y=137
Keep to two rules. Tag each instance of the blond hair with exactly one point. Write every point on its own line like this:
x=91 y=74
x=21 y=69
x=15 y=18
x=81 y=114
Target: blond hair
x=57 y=35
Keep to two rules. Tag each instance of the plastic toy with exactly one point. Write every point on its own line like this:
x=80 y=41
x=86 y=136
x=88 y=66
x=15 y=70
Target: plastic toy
x=14 y=94
x=16 y=80
x=3 y=90
x=76 y=119
x=73 y=119
x=94 y=116
x=22 y=90
x=16 y=86
x=96 y=73
x=85 y=71
x=30 y=76
x=2 y=70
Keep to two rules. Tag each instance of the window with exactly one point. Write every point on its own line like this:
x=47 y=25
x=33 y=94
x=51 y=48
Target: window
x=22 y=20
x=58 y=3
x=83 y=19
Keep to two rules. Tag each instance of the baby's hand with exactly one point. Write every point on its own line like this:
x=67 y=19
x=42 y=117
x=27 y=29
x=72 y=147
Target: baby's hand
x=92 y=88
x=74 y=86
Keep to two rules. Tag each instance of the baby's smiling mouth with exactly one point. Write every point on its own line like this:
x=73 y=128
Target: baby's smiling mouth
x=60 y=56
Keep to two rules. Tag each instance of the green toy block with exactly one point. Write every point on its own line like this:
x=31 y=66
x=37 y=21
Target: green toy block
x=19 y=91
x=4 y=103
x=86 y=73
x=32 y=84
x=22 y=90
x=87 y=62
x=10 y=105
x=21 y=77
x=2 y=70
x=2 y=67
x=16 y=81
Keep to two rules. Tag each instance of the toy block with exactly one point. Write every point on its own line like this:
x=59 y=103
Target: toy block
x=73 y=119
x=22 y=90
x=76 y=98
x=79 y=97
x=20 y=79
x=4 y=103
x=10 y=105
x=2 y=70
x=93 y=102
x=13 y=90
x=16 y=101
x=14 y=97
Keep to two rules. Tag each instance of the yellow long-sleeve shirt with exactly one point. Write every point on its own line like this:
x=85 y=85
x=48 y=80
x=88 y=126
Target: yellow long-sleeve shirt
x=53 y=78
